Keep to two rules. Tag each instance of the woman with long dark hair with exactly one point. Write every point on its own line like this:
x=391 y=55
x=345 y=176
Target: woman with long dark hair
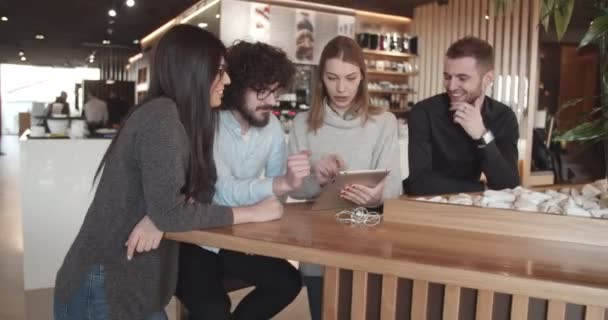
x=158 y=176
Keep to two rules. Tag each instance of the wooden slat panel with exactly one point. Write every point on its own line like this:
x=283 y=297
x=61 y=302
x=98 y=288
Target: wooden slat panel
x=519 y=307
x=331 y=290
x=523 y=56
x=469 y=18
x=557 y=310
x=420 y=294
x=441 y=48
x=455 y=17
x=485 y=305
x=451 y=33
x=427 y=53
x=491 y=22
x=533 y=95
x=498 y=44
x=388 y=310
x=515 y=40
x=476 y=18
x=433 y=55
x=359 y=302
x=506 y=54
x=462 y=20
x=594 y=313
x=451 y=302
x=484 y=23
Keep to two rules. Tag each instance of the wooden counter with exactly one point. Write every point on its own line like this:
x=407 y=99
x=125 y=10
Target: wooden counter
x=381 y=256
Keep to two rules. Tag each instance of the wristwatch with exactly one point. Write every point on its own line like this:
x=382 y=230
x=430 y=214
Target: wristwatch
x=485 y=139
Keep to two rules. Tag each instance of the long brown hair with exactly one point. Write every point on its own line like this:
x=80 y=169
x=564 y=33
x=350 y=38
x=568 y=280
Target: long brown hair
x=185 y=62
x=347 y=50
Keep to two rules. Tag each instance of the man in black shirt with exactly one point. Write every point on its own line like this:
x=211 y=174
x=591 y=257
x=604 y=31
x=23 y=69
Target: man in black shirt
x=457 y=135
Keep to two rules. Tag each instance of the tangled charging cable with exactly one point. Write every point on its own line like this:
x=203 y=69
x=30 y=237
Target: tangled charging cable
x=359 y=216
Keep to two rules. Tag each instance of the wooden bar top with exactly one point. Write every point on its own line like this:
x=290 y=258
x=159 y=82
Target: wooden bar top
x=576 y=273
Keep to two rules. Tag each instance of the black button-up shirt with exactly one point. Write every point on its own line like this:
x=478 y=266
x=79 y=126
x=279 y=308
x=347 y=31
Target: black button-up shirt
x=443 y=158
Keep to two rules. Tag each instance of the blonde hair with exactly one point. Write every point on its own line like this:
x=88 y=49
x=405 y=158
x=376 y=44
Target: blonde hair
x=347 y=50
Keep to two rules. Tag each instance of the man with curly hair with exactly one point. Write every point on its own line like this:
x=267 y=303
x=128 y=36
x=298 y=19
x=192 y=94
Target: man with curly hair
x=249 y=143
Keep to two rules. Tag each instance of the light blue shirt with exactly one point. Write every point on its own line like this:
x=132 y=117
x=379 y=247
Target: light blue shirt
x=242 y=161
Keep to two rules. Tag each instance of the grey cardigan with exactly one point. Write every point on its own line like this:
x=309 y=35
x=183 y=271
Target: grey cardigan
x=143 y=174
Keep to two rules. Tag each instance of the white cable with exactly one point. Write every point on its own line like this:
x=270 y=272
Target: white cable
x=359 y=216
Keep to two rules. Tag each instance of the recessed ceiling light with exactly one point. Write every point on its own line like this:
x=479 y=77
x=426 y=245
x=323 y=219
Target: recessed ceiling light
x=23 y=58
x=4 y=18
x=202 y=25
x=217 y=16
x=106 y=42
x=112 y=13
x=40 y=37
x=130 y=3
x=135 y=41
x=21 y=53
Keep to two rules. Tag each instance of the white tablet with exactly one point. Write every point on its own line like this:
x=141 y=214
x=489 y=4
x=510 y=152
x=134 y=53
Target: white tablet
x=329 y=198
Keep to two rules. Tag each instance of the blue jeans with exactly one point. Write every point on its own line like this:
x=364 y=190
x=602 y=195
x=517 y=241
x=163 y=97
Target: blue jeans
x=89 y=301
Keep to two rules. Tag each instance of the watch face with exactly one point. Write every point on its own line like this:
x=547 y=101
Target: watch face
x=487 y=137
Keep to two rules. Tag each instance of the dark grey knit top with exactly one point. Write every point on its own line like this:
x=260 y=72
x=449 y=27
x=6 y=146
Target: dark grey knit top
x=143 y=175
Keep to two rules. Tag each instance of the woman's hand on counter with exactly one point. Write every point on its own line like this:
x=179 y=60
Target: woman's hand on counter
x=364 y=196
x=144 y=237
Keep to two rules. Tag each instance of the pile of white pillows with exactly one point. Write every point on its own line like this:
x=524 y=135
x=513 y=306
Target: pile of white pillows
x=589 y=201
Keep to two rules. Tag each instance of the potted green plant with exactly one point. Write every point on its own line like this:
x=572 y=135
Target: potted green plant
x=594 y=127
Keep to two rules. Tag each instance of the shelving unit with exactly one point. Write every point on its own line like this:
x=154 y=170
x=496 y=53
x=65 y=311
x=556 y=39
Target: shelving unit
x=390 y=92
x=381 y=25
x=389 y=54
x=392 y=73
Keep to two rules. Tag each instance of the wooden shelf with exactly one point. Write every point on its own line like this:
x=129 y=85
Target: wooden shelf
x=392 y=73
x=391 y=91
x=389 y=53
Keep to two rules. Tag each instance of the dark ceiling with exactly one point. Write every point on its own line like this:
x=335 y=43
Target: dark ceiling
x=70 y=27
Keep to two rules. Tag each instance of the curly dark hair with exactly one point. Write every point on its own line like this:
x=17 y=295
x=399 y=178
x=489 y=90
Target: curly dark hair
x=254 y=66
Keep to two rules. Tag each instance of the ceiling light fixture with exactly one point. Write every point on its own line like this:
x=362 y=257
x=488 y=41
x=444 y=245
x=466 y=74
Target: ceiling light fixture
x=39 y=37
x=23 y=58
x=21 y=53
x=106 y=42
x=202 y=25
x=135 y=41
x=487 y=17
x=217 y=16
x=4 y=18
x=112 y=13
x=130 y=3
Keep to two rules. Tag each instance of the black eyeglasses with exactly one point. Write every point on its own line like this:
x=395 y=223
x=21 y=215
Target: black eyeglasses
x=263 y=94
x=221 y=70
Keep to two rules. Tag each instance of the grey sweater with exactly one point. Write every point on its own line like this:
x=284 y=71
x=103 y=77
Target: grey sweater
x=143 y=175
x=372 y=145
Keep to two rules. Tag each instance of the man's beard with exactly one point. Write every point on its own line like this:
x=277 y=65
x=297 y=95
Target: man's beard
x=251 y=118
